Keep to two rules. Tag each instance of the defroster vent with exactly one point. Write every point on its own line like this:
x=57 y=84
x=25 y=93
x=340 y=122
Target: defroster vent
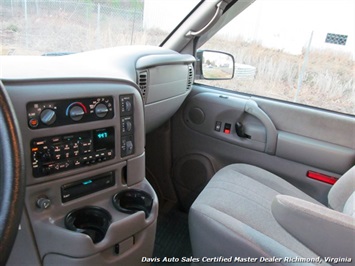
x=190 y=77
x=143 y=82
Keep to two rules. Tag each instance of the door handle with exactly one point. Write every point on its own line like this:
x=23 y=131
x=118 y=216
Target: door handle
x=251 y=107
x=239 y=128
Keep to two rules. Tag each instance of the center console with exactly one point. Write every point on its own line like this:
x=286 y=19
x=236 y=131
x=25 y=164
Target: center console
x=87 y=199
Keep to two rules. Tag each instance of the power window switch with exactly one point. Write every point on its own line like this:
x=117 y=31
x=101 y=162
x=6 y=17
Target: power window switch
x=218 y=126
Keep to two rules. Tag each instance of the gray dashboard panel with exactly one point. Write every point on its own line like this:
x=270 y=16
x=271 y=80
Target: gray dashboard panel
x=159 y=60
x=110 y=63
x=113 y=73
x=166 y=82
x=47 y=225
x=22 y=93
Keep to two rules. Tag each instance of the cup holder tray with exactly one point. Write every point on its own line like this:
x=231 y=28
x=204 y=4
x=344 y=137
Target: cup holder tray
x=92 y=221
x=133 y=200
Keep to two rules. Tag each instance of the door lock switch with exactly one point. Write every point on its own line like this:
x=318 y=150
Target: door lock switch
x=218 y=126
x=227 y=128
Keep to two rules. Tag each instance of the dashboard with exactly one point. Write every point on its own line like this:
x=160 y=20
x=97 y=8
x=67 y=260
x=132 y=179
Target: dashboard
x=83 y=120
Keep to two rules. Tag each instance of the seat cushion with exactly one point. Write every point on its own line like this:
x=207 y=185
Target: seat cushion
x=232 y=216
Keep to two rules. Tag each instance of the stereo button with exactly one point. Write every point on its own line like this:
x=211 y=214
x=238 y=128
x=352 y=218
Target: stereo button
x=45 y=157
x=39 y=143
x=46 y=170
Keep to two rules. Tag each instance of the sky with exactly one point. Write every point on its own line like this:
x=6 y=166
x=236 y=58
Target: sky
x=280 y=24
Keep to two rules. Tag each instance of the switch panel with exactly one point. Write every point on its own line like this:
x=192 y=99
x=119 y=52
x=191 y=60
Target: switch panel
x=127 y=125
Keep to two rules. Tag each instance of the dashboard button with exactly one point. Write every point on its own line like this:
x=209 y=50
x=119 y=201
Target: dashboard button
x=33 y=123
x=128 y=126
x=43 y=203
x=129 y=147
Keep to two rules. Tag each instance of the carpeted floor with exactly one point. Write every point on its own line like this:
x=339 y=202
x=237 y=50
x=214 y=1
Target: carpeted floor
x=172 y=237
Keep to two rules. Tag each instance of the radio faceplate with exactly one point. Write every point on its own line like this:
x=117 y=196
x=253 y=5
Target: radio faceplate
x=59 y=153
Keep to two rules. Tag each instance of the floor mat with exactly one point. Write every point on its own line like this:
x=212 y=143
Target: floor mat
x=172 y=238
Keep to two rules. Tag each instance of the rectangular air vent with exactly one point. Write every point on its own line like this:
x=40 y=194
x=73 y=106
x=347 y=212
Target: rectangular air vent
x=190 y=77
x=143 y=82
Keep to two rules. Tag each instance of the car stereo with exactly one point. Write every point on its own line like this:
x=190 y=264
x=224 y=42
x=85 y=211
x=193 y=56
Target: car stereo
x=59 y=153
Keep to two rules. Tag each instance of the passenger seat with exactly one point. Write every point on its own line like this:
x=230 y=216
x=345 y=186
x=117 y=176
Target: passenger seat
x=247 y=212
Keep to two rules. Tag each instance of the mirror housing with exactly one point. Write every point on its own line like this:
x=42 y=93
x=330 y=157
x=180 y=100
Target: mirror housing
x=214 y=65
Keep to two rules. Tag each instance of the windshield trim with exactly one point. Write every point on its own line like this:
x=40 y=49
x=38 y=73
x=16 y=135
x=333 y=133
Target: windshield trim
x=181 y=22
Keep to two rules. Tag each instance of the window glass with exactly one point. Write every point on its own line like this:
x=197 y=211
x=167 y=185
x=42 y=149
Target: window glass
x=56 y=27
x=298 y=51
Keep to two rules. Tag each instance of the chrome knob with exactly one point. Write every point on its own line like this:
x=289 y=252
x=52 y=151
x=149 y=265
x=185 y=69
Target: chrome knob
x=101 y=110
x=48 y=117
x=76 y=113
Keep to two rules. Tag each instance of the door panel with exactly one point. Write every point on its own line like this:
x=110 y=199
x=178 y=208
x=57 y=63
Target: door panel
x=286 y=139
x=216 y=115
x=321 y=154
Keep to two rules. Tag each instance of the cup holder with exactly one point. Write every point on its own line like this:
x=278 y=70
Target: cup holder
x=92 y=221
x=133 y=200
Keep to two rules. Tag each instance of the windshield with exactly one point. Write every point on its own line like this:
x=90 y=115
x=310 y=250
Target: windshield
x=57 y=27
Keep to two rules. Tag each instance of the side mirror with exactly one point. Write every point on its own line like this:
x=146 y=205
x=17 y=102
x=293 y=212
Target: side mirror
x=214 y=65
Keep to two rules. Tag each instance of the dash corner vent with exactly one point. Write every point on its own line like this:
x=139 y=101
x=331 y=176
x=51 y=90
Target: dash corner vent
x=190 y=77
x=143 y=82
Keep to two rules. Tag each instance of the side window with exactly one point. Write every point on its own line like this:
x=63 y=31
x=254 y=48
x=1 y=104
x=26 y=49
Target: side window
x=297 y=51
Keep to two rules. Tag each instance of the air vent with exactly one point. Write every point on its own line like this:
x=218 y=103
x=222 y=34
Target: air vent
x=143 y=82
x=190 y=77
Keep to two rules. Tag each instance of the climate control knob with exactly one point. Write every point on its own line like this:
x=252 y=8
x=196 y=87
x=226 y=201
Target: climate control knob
x=128 y=106
x=76 y=113
x=101 y=110
x=48 y=116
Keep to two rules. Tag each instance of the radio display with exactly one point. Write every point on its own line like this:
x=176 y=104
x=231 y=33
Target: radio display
x=104 y=139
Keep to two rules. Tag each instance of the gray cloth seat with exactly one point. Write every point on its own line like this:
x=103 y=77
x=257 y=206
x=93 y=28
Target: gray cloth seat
x=245 y=212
